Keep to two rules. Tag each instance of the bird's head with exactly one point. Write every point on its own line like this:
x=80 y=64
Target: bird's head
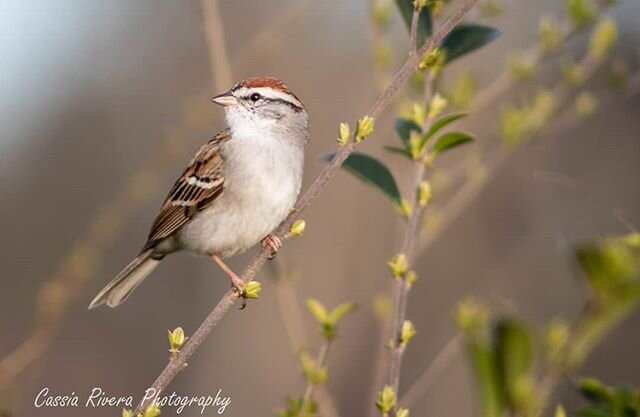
x=264 y=103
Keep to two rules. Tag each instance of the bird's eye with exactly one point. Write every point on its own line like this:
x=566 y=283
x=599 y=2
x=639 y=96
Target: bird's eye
x=255 y=97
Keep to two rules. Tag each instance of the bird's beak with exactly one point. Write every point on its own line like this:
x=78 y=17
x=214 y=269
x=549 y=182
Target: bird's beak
x=225 y=99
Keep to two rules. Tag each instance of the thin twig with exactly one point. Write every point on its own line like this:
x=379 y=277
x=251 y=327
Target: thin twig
x=321 y=360
x=431 y=374
x=413 y=34
x=379 y=373
x=401 y=292
x=271 y=34
x=326 y=404
x=536 y=53
x=75 y=269
x=466 y=194
x=214 y=35
x=177 y=364
x=459 y=201
x=290 y=311
x=291 y=315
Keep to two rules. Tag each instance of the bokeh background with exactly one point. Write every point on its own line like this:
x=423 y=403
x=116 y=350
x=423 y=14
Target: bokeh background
x=102 y=104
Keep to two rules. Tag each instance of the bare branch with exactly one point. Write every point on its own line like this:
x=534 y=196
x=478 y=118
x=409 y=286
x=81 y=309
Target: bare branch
x=411 y=232
x=536 y=53
x=432 y=372
x=321 y=360
x=214 y=35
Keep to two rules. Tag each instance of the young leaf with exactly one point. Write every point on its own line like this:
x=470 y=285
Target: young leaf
x=340 y=311
x=595 y=411
x=373 y=172
x=514 y=355
x=466 y=38
x=314 y=373
x=252 y=289
x=442 y=122
x=404 y=127
x=484 y=365
x=318 y=310
x=176 y=340
x=396 y=150
x=386 y=399
x=595 y=390
x=611 y=263
x=152 y=410
x=450 y=140
x=425 y=25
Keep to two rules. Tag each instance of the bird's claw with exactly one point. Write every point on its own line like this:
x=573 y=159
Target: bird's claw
x=274 y=243
x=238 y=290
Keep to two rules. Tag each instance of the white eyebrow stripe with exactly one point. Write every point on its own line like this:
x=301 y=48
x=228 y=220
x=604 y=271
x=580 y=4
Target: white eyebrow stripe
x=269 y=93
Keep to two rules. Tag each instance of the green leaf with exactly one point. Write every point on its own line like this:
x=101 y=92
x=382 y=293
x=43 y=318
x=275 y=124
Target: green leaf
x=386 y=399
x=404 y=127
x=396 y=150
x=440 y=124
x=340 y=311
x=295 y=408
x=595 y=390
x=612 y=269
x=313 y=371
x=450 y=140
x=317 y=310
x=425 y=24
x=514 y=356
x=488 y=382
x=595 y=411
x=611 y=263
x=373 y=172
x=466 y=38
x=606 y=401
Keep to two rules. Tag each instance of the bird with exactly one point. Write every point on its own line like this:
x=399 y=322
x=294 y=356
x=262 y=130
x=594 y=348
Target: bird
x=234 y=192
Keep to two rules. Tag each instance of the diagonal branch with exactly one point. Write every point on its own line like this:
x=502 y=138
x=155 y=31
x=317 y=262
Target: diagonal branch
x=536 y=53
x=176 y=364
x=431 y=374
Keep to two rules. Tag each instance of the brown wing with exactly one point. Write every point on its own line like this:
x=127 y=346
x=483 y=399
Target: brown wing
x=196 y=189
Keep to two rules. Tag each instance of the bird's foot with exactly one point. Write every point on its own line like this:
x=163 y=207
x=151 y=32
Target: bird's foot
x=237 y=285
x=274 y=243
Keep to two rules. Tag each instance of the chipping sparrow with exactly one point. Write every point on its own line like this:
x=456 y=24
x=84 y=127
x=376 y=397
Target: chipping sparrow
x=239 y=186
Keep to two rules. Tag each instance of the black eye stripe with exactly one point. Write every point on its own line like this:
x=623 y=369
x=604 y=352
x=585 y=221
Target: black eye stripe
x=250 y=97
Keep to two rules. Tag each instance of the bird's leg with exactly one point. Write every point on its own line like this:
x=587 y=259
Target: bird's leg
x=274 y=243
x=236 y=283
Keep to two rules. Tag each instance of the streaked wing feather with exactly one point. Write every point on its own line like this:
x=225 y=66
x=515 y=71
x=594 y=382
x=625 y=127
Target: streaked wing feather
x=198 y=186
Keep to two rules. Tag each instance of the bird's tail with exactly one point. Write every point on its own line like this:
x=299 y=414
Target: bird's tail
x=116 y=291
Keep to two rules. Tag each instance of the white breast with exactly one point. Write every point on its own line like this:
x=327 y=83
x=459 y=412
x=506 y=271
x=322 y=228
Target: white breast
x=263 y=175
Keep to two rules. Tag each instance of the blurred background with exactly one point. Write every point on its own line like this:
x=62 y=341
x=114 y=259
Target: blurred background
x=103 y=103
